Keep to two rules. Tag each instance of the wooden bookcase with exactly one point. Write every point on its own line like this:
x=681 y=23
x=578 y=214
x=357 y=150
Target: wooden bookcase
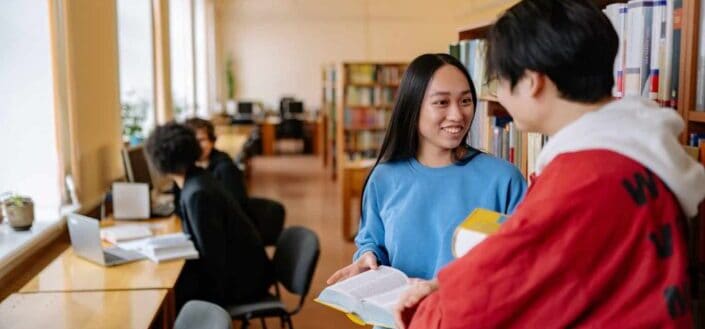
x=478 y=29
x=329 y=108
x=687 y=84
x=365 y=93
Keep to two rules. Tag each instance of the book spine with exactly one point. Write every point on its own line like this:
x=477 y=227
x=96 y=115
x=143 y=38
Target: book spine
x=675 y=52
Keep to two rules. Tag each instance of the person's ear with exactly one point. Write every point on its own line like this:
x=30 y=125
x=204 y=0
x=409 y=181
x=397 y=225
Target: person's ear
x=535 y=83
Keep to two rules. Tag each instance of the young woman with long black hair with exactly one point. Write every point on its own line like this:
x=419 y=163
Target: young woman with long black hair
x=427 y=179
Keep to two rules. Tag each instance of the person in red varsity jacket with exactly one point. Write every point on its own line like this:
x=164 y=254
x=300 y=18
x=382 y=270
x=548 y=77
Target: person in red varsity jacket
x=598 y=241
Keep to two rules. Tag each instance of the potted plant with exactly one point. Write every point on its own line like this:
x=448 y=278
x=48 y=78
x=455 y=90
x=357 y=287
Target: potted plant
x=19 y=211
x=230 y=79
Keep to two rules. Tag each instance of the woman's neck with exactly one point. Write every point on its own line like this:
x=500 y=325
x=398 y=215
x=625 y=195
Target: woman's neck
x=431 y=156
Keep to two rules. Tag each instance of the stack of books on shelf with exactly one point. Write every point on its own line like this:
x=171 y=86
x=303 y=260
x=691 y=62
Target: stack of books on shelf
x=369 y=92
x=366 y=117
x=648 y=58
x=363 y=144
x=377 y=96
x=493 y=131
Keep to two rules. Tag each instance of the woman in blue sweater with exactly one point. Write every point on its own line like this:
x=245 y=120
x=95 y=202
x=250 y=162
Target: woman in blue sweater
x=427 y=179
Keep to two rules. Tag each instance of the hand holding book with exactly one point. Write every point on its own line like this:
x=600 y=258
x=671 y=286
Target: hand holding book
x=367 y=261
x=417 y=290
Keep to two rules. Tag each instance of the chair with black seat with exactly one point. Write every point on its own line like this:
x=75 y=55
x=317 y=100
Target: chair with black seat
x=295 y=260
x=198 y=314
x=290 y=135
x=268 y=217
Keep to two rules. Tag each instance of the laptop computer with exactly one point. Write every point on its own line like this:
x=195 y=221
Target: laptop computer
x=85 y=239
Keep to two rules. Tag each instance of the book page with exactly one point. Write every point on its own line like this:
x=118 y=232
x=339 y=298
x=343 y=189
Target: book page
x=388 y=299
x=379 y=309
x=371 y=282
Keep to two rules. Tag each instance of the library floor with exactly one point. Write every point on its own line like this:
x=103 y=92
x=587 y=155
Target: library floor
x=311 y=199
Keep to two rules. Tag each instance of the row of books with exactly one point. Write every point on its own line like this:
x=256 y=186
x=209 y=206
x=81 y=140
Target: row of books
x=700 y=89
x=648 y=58
x=363 y=144
x=499 y=136
x=696 y=139
x=369 y=96
x=472 y=54
x=367 y=117
x=375 y=74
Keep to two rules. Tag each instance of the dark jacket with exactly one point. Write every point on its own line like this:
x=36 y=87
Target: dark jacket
x=222 y=167
x=233 y=267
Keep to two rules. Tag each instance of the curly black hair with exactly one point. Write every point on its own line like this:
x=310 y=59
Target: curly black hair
x=172 y=148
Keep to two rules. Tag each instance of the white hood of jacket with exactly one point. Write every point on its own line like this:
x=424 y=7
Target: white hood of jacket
x=638 y=129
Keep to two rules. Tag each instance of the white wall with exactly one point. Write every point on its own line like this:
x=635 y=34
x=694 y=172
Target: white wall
x=28 y=156
x=279 y=46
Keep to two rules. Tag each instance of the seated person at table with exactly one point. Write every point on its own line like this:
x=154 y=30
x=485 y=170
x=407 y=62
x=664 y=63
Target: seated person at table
x=267 y=215
x=233 y=267
x=217 y=162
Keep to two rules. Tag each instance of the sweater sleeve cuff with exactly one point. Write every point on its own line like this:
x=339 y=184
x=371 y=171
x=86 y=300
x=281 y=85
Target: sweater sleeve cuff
x=381 y=257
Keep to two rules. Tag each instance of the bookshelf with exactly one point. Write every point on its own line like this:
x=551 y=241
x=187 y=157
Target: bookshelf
x=365 y=93
x=329 y=107
x=685 y=104
x=687 y=72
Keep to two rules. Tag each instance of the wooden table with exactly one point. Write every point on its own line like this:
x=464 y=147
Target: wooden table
x=76 y=310
x=69 y=273
x=231 y=139
x=316 y=125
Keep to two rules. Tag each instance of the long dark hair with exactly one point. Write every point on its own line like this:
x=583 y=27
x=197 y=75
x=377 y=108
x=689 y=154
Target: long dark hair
x=401 y=141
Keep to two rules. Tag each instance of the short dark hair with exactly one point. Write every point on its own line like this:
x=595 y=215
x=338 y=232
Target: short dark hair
x=197 y=123
x=570 y=41
x=172 y=148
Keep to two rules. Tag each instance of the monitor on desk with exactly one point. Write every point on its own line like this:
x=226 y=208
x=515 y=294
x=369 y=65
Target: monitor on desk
x=136 y=166
x=295 y=108
x=138 y=170
x=245 y=108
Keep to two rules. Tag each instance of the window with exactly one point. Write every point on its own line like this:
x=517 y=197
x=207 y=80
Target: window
x=30 y=161
x=182 y=58
x=193 y=69
x=136 y=68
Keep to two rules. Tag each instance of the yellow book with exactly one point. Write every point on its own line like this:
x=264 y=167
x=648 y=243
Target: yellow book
x=368 y=298
x=474 y=229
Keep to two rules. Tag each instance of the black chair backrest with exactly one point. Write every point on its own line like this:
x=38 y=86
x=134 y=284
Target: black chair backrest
x=198 y=314
x=290 y=128
x=295 y=259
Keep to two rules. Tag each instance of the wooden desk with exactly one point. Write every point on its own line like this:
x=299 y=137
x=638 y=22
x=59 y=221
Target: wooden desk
x=232 y=138
x=317 y=126
x=70 y=273
x=75 y=310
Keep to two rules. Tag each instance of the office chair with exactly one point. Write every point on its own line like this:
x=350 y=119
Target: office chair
x=198 y=314
x=295 y=260
x=288 y=130
x=268 y=217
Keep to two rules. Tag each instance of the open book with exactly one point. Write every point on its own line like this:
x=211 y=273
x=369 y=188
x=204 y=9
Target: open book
x=164 y=247
x=369 y=297
x=475 y=228
x=122 y=233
